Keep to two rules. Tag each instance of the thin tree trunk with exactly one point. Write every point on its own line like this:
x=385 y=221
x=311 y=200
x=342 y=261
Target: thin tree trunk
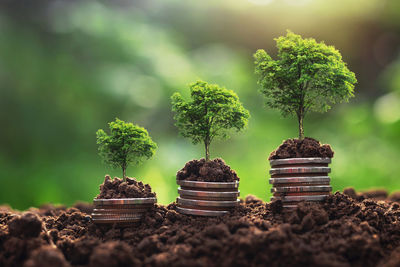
x=124 y=173
x=301 y=111
x=300 y=117
x=207 y=146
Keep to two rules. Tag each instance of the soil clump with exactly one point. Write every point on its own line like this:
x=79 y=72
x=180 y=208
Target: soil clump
x=117 y=188
x=306 y=148
x=341 y=231
x=201 y=170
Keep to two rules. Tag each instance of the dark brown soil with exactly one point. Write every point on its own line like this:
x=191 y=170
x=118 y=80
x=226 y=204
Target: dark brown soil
x=214 y=170
x=117 y=188
x=342 y=231
x=307 y=148
x=378 y=194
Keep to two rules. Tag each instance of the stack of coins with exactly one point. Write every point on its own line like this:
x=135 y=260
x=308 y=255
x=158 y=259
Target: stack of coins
x=122 y=210
x=300 y=179
x=206 y=198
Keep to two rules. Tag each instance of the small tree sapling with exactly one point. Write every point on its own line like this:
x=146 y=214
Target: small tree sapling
x=212 y=111
x=127 y=144
x=307 y=76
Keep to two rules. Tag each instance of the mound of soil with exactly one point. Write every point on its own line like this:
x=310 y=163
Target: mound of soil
x=214 y=170
x=117 y=188
x=306 y=148
x=341 y=231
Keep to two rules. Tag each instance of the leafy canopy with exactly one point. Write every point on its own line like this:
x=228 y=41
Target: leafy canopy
x=127 y=144
x=211 y=113
x=307 y=76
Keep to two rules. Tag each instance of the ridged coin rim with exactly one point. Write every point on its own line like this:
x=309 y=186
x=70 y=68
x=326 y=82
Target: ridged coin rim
x=208 y=213
x=300 y=198
x=195 y=193
x=206 y=203
x=291 y=170
x=299 y=189
x=310 y=179
x=276 y=162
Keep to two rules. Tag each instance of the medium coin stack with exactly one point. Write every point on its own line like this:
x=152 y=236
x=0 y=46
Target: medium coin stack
x=121 y=210
x=300 y=179
x=207 y=198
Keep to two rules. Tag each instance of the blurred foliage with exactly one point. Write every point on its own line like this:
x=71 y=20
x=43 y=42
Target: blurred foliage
x=69 y=67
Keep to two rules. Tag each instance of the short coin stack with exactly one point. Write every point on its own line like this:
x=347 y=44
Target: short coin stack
x=122 y=210
x=300 y=179
x=207 y=198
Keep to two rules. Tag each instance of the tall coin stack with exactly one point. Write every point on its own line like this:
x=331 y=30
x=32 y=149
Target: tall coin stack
x=207 y=198
x=300 y=179
x=121 y=210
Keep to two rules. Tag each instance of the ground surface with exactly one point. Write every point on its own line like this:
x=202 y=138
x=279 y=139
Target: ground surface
x=342 y=231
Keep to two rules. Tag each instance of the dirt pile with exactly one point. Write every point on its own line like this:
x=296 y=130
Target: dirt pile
x=117 y=188
x=307 y=148
x=214 y=170
x=342 y=231
x=26 y=225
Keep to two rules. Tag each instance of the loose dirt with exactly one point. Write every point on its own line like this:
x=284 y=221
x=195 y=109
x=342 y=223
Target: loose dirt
x=212 y=171
x=117 y=188
x=349 y=229
x=307 y=148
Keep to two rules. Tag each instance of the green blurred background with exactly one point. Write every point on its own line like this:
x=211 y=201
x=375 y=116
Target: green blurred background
x=67 y=68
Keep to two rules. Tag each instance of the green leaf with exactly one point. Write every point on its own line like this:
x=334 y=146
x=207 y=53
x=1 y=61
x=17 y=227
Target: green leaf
x=125 y=145
x=307 y=76
x=211 y=113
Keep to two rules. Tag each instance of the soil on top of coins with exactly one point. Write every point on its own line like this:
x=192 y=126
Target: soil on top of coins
x=214 y=170
x=306 y=148
x=347 y=229
x=117 y=188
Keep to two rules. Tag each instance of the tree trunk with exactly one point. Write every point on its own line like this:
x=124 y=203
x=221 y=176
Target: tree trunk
x=124 y=174
x=300 y=117
x=207 y=146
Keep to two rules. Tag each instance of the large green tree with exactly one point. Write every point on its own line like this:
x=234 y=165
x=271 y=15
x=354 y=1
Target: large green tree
x=127 y=144
x=307 y=76
x=211 y=113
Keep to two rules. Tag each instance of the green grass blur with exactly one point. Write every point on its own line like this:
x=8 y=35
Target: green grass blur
x=67 y=68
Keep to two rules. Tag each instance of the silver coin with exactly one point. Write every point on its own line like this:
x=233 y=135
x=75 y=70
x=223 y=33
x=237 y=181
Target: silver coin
x=125 y=201
x=311 y=179
x=206 y=203
x=300 y=198
x=117 y=217
x=210 y=194
x=119 y=211
x=131 y=207
x=294 y=189
x=196 y=184
x=292 y=170
x=276 y=162
x=97 y=217
x=210 y=213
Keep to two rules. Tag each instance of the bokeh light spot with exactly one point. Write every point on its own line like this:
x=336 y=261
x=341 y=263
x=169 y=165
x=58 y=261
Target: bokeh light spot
x=261 y=2
x=387 y=108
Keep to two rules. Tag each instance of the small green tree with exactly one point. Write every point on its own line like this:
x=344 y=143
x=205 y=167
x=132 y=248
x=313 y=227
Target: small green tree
x=212 y=111
x=127 y=144
x=307 y=76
